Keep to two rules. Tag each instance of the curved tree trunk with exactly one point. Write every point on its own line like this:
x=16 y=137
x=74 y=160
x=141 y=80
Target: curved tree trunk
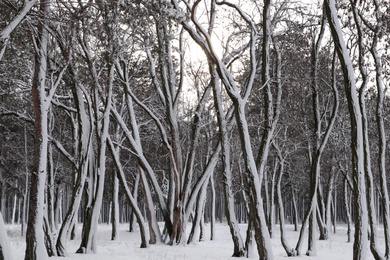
x=378 y=34
x=289 y=250
x=360 y=202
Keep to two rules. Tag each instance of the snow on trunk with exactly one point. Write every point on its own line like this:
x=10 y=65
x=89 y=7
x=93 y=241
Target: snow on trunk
x=361 y=217
x=239 y=247
x=133 y=201
x=35 y=245
x=10 y=27
x=84 y=146
x=376 y=54
x=89 y=243
x=154 y=230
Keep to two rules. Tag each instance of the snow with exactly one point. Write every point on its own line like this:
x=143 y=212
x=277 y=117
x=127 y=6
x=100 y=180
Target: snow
x=4 y=242
x=127 y=245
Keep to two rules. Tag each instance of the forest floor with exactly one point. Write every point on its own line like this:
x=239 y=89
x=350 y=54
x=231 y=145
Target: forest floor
x=127 y=246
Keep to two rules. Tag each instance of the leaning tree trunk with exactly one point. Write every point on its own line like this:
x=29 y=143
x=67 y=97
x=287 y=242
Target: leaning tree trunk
x=239 y=101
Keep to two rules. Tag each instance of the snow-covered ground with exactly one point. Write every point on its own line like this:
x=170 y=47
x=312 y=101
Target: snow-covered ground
x=127 y=246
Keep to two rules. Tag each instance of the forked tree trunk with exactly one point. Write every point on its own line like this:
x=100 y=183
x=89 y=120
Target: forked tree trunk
x=154 y=230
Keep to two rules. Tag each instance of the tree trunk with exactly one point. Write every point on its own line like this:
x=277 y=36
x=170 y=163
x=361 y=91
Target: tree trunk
x=239 y=248
x=199 y=212
x=115 y=208
x=212 y=221
x=35 y=245
x=289 y=250
x=347 y=207
x=129 y=195
x=360 y=203
x=88 y=242
x=154 y=230
x=379 y=113
x=295 y=209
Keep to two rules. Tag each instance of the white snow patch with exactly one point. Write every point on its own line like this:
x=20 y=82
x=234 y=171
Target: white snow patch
x=127 y=246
